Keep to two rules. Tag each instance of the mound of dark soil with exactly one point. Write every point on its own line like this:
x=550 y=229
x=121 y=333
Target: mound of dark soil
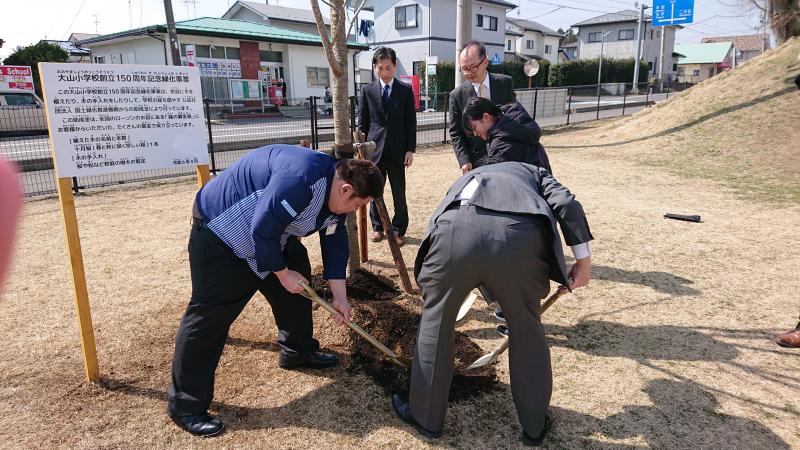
x=377 y=306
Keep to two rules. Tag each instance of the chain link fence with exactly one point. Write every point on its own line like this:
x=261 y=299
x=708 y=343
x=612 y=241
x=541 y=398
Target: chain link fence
x=233 y=128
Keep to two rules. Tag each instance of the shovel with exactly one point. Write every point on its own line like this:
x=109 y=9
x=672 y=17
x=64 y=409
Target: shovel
x=393 y=357
x=489 y=358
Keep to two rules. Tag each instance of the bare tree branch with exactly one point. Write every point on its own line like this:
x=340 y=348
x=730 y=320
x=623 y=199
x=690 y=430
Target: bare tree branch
x=327 y=45
x=758 y=4
x=355 y=16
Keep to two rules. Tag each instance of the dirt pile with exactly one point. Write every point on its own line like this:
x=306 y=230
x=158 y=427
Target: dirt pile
x=378 y=307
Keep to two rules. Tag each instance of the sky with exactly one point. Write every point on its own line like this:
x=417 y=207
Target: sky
x=56 y=19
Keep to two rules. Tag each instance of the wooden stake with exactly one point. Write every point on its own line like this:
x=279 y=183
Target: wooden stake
x=405 y=281
x=362 y=233
x=80 y=290
x=203 y=175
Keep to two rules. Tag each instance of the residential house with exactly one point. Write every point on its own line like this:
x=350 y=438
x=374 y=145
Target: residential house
x=428 y=27
x=76 y=54
x=568 y=51
x=620 y=40
x=531 y=40
x=700 y=62
x=229 y=49
x=279 y=16
x=746 y=47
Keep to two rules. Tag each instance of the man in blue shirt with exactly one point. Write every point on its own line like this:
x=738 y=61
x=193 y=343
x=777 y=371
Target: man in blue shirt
x=245 y=229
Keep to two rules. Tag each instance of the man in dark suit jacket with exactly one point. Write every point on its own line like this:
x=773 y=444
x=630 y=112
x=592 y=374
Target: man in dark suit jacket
x=496 y=227
x=479 y=83
x=386 y=115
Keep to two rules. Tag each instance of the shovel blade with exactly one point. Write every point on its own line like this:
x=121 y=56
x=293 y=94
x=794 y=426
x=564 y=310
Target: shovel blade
x=489 y=358
x=466 y=306
x=401 y=361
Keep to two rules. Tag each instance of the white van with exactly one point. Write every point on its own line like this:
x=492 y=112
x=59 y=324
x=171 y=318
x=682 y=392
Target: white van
x=21 y=113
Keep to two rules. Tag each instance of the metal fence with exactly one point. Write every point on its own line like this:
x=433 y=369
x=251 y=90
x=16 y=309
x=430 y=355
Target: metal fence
x=233 y=131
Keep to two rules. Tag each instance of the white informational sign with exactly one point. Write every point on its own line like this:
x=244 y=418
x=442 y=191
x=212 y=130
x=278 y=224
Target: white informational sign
x=122 y=118
x=191 y=56
x=244 y=89
x=16 y=78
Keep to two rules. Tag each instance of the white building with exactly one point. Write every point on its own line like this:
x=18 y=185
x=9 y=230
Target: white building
x=279 y=16
x=229 y=49
x=428 y=27
x=620 y=42
x=526 y=39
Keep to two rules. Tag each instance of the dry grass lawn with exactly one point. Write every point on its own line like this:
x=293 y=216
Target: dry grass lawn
x=669 y=347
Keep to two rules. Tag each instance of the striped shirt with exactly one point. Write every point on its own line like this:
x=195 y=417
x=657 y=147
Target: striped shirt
x=270 y=194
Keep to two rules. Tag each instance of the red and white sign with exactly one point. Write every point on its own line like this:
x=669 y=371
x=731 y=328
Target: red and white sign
x=16 y=77
x=191 y=56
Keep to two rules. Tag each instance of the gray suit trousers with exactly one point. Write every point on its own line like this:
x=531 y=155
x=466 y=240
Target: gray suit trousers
x=509 y=254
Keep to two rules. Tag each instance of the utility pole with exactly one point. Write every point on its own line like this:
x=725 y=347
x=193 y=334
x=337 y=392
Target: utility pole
x=661 y=59
x=600 y=66
x=639 y=38
x=463 y=33
x=173 y=34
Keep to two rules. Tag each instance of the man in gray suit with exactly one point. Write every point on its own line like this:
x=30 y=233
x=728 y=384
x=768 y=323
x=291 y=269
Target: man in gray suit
x=499 y=88
x=497 y=227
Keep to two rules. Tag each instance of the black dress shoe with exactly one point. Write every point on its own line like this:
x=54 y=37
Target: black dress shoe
x=498 y=314
x=535 y=442
x=316 y=360
x=502 y=330
x=204 y=425
x=403 y=410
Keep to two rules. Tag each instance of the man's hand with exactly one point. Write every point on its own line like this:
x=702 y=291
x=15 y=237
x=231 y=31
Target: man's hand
x=341 y=305
x=466 y=168
x=409 y=159
x=581 y=272
x=290 y=280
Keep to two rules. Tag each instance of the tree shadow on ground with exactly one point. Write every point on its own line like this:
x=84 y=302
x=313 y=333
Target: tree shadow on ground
x=697 y=121
x=660 y=281
x=682 y=415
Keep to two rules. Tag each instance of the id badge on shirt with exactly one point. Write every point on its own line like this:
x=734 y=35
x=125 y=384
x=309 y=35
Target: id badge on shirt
x=331 y=229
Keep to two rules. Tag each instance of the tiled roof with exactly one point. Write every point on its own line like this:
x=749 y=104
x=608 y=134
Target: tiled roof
x=533 y=26
x=627 y=15
x=743 y=43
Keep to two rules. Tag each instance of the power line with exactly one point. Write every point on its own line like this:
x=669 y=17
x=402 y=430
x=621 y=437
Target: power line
x=73 y=19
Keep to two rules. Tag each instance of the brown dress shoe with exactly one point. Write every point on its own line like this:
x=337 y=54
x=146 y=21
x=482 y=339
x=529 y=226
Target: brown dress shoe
x=377 y=236
x=790 y=339
x=401 y=241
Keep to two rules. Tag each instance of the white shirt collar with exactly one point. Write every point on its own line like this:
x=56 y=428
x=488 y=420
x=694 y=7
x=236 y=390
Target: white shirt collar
x=390 y=83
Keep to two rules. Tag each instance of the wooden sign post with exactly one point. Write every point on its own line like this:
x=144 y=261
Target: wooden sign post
x=109 y=119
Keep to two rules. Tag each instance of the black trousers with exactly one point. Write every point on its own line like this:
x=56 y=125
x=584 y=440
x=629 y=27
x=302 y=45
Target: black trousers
x=397 y=180
x=222 y=284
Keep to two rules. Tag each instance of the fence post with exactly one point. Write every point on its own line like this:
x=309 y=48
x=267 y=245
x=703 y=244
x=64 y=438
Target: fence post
x=569 y=104
x=667 y=91
x=446 y=111
x=647 y=98
x=598 y=102
x=535 y=101
x=312 y=115
x=207 y=104
x=624 y=97
x=353 y=104
x=75 y=187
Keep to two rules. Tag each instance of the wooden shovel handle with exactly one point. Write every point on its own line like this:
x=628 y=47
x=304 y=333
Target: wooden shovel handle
x=312 y=295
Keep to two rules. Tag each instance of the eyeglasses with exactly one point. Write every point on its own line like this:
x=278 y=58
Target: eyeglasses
x=469 y=69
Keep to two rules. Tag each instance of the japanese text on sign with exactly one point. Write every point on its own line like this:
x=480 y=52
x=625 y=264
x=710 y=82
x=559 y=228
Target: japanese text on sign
x=108 y=119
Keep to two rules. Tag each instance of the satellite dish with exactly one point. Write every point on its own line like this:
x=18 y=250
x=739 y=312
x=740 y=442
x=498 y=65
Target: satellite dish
x=531 y=67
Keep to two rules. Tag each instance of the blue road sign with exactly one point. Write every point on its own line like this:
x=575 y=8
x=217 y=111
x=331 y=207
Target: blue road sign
x=672 y=12
x=495 y=59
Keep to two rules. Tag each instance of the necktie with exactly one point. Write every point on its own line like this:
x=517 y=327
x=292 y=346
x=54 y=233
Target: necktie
x=385 y=96
x=482 y=91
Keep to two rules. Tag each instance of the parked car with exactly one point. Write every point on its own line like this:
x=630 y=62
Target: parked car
x=21 y=113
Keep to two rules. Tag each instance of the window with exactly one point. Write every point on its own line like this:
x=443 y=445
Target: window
x=548 y=49
x=595 y=37
x=318 y=77
x=675 y=67
x=658 y=34
x=696 y=73
x=231 y=53
x=218 y=52
x=486 y=22
x=99 y=59
x=529 y=44
x=270 y=56
x=405 y=17
x=19 y=100
x=625 y=35
x=203 y=51
x=508 y=46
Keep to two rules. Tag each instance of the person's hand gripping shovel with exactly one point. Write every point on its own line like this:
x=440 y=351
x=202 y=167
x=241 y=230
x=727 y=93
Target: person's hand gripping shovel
x=393 y=357
x=489 y=358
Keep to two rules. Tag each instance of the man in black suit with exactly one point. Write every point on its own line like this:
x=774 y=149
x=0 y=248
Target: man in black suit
x=478 y=83
x=496 y=227
x=386 y=115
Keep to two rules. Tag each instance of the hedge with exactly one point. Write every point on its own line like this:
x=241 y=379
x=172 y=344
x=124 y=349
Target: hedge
x=584 y=71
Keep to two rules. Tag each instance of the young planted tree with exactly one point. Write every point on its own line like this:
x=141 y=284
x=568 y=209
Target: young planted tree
x=334 y=42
